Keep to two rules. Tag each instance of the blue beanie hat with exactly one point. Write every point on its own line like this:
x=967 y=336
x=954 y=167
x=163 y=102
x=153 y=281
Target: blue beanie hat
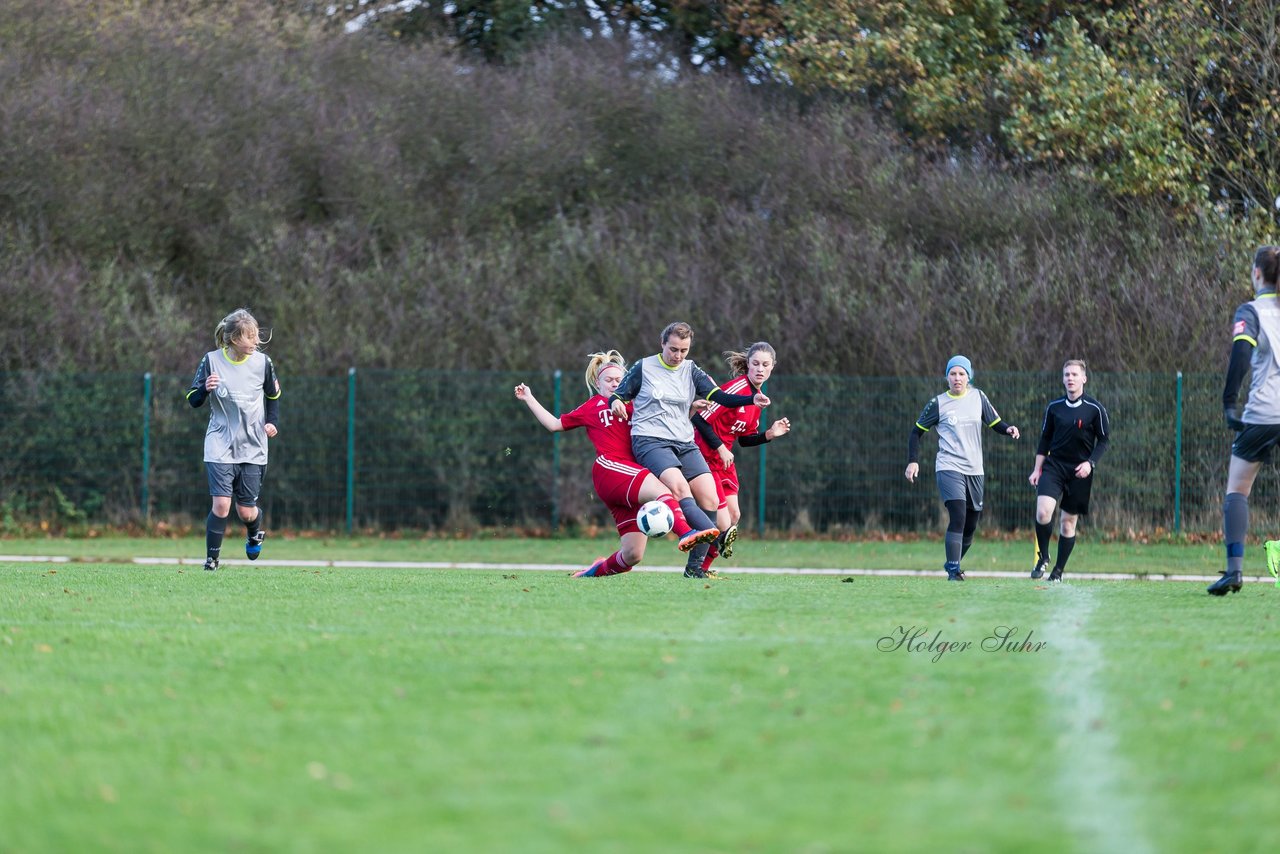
x=960 y=361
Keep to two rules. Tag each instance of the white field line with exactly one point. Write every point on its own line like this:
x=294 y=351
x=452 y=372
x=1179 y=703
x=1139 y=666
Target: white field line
x=571 y=567
x=1095 y=792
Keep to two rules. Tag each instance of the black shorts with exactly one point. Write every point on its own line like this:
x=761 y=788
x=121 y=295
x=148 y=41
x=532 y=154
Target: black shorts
x=241 y=481
x=1253 y=444
x=1059 y=482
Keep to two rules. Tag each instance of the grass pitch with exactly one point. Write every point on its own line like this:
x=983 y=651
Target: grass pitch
x=147 y=708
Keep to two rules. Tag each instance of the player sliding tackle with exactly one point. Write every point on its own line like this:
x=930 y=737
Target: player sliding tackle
x=663 y=389
x=622 y=484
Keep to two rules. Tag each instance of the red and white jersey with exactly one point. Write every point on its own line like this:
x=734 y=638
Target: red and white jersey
x=728 y=422
x=611 y=436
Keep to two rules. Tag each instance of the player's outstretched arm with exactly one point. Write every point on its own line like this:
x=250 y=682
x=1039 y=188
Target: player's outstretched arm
x=781 y=427
x=545 y=418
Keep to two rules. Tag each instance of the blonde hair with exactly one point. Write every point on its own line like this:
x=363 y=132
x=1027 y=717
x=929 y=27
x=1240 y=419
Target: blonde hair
x=597 y=362
x=1079 y=363
x=737 y=361
x=237 y=325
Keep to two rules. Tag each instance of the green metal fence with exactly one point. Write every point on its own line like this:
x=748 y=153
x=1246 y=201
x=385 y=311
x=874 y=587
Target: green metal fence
x=454 y=450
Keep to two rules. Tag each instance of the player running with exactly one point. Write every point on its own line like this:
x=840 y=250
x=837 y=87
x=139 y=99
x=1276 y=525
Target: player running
x=959 y=414
x=622 y=484
x=1074 y=437
x=244 y=412
x=1255 y=333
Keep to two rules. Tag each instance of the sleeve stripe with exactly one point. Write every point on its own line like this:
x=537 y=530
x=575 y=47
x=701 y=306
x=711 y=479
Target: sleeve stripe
x=1251 y=341
x=922 y=427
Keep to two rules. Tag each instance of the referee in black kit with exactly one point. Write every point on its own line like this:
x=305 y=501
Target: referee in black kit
x=1073 y=439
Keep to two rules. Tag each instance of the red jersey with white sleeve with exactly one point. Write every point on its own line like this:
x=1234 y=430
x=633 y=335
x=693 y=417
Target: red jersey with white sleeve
x=730 y=424
x=616 y=475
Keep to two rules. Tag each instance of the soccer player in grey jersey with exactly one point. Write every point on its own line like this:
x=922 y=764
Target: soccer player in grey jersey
x=244 y=411
x=1255 y=343
x=959 y=414
x=663 y=388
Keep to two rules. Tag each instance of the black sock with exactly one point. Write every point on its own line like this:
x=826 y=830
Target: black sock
x=1043 y=532
x=697 y=555
x=695 y=515
x=214 y=528
x=254 y=525
x=1065 y=545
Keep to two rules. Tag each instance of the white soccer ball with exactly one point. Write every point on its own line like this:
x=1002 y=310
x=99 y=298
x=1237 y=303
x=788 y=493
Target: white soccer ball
x=655 y=519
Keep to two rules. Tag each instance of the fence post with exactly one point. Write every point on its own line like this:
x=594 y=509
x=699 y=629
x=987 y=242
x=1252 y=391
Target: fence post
x=351 y=448
x=1177 y=461
x=146 y=445
x=760 y=490
x=555 y=459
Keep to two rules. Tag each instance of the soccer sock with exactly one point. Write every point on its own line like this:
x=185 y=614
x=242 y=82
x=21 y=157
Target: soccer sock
x=1235 y=525
x=955 y=546
x=214 y=529
x=252 y=527
x=712 y=554
x=696 y=555
x=1043 y=531
x=695 y=515
x=682 y=524
x=1065 y=545
x=613 y=565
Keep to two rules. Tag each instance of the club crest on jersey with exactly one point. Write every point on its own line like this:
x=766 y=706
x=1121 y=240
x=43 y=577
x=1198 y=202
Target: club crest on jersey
x=1238 y=329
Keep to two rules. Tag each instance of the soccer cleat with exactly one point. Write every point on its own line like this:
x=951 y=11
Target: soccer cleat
x=1230 y=582
x=954 y=572
x=695 y=572
x=590 y=572
x=727 y=539
x=696 y=538
x=1041 y=565
x=1056 y=575
x=210 y=564
x=1273 y=559
x=253 y=545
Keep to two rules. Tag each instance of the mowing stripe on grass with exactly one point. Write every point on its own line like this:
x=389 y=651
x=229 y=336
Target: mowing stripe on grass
x=566 y=567
x=1092 y=789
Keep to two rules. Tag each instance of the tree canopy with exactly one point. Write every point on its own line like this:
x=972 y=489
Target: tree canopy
x=1175 y=102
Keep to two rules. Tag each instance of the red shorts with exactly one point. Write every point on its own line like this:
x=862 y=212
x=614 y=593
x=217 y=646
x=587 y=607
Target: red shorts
x=618 y=485
x=726 y=479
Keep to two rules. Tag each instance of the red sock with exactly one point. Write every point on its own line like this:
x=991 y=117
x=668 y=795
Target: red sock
x=712 y=554
x=682 y=525
x=613 y=566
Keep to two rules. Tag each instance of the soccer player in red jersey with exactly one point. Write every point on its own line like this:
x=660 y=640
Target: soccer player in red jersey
x=622 y=484
x=718 y=427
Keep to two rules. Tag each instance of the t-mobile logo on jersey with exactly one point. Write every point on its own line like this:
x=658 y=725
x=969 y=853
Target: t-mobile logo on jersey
x=606 y=417
x=739 y=426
